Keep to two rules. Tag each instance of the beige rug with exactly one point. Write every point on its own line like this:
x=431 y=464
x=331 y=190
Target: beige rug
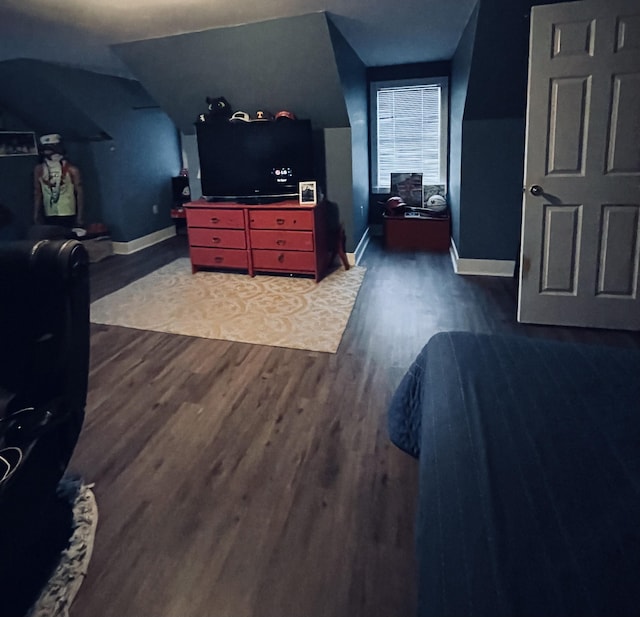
x=281 y=311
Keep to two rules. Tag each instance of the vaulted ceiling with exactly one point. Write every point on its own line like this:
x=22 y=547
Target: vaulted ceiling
x=81 y=32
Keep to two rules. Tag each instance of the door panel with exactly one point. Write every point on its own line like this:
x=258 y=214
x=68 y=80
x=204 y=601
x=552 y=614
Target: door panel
x=573 y=38
x=618 y=275
x=581 y=205
x=623 y=156
x=561 y=243
x=628 y=32
x=568 y=125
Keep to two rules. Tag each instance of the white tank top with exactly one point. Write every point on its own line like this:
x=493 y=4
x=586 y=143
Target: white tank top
x=58 y=194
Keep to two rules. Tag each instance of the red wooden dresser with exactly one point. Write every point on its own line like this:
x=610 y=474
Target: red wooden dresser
x=285 y=237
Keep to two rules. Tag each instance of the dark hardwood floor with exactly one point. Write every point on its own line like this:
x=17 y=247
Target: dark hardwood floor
x=236 y=480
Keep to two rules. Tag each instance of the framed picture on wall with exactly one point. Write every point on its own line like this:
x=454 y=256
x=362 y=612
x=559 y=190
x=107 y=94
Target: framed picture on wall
x=18 y=143
x=308 y=193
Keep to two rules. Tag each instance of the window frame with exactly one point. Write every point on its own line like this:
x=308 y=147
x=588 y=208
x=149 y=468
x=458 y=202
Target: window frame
x=377 y=85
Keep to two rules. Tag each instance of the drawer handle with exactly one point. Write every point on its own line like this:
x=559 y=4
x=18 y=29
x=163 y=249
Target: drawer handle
x=281 y=242
x=216 y=240
x=281 y=258
x=215 y=219
x=280 y=221
x=218 y=260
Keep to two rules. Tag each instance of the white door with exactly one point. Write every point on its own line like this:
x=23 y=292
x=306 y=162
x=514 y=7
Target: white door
x=580 y=242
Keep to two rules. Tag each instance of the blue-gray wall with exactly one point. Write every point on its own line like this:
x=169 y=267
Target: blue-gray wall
x=488 y=107
x=458 y=85
x=491 y=166
x=301 y=64
x=118 y=134
x=16 y=174
x=353 y=77
x=126 y=148
x=133 y=173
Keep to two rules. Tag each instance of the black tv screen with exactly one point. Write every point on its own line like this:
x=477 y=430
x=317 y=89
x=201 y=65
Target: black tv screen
x=254 y=161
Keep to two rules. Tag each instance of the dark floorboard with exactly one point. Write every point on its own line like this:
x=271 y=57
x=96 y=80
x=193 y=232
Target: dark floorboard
x=239 y=480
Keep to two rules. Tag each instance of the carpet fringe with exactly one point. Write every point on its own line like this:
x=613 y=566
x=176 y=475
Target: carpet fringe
x=59 y=593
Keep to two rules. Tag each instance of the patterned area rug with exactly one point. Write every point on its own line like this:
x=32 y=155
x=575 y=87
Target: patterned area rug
x=280 y=311
x=63 y=585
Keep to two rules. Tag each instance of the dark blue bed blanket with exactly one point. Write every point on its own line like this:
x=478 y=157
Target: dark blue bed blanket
x=529 y=498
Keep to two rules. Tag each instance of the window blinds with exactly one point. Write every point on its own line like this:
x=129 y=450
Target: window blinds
x=408 y=132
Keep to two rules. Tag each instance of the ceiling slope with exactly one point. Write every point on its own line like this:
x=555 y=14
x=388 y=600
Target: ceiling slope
x=43 y=102
x=278 y=64
x=80 y=105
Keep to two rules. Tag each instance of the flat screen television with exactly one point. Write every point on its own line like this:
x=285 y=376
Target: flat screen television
x=254 y=162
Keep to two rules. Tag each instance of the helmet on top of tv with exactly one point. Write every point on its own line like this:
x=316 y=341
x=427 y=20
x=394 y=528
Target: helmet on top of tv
x=243 y=116
x=287 y=115
x=262 y=114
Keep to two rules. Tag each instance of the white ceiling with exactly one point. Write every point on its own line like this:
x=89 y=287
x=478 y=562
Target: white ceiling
x=79 y=32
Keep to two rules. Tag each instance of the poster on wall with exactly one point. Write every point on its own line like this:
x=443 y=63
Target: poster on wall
x=18 y=143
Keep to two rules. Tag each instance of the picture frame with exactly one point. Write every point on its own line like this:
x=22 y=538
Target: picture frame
x=308 y=193
x=408 y=186
x=18 y=143
x=434 y=189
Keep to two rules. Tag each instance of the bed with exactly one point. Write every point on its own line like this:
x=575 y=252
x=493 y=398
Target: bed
x=529 y=475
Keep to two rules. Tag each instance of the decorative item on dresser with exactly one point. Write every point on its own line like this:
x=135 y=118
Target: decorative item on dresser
x=284 y=237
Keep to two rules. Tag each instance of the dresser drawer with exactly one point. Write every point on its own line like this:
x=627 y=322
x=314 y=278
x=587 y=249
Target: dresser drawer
x=290 y=261
x=282 y=219
x=282 y=240
x=221 y=238
x=215 y=217
x=218 y=258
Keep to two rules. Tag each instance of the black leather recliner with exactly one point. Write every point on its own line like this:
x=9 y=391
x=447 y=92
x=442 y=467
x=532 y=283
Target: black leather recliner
x=44 y=366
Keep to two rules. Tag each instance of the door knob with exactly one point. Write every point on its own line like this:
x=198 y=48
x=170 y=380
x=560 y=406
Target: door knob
x=536 y=190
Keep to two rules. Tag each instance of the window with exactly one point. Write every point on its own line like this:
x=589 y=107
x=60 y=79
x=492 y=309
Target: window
x=408 y=130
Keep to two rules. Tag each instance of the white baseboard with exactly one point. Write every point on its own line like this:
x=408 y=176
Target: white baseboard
x=355 y=257
x=133 y=246
x=484 y=267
